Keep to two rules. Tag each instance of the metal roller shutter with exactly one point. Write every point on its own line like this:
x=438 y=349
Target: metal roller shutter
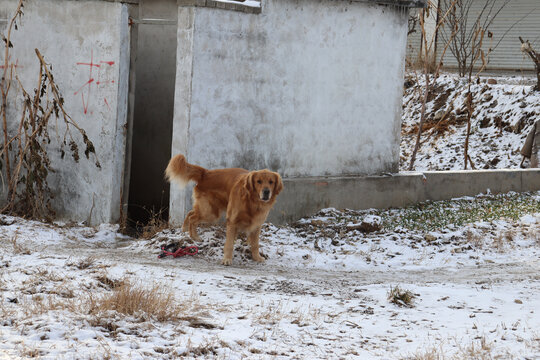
x=414 y=40
x=517 y=18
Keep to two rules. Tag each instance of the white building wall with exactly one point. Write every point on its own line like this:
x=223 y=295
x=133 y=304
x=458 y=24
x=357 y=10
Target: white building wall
x=88 y=45
x=306 y=88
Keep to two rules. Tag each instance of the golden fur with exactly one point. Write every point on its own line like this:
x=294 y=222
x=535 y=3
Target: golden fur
x=246 y=196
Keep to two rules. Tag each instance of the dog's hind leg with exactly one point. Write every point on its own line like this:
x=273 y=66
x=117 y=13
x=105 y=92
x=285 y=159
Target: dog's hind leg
x=185 y=226
x=203 y=212
x=190 y=223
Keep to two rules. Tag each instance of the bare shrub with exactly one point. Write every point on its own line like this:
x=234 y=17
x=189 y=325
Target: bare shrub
x=535 y=57
x=430 y=65
x=466 y=32
x=24 y=154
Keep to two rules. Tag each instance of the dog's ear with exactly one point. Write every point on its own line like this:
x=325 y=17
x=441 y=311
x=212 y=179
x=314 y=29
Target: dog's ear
x=278 y=184
x=249 y=182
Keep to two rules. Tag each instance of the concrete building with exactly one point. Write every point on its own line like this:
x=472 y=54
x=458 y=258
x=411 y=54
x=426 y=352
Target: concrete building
x=305 y=88
x=89 y=46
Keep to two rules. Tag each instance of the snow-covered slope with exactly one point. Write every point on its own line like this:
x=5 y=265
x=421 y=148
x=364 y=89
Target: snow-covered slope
x=504 y=110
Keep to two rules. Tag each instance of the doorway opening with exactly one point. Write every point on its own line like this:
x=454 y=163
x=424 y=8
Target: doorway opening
x=155 y=69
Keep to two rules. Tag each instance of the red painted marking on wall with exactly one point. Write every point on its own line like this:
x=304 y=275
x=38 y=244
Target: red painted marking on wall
x=86 y=89
x=82 y=87
x=107 y=103
x=90 y=63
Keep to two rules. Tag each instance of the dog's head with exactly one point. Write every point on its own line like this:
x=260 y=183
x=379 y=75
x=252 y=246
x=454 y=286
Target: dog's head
x=265 y=184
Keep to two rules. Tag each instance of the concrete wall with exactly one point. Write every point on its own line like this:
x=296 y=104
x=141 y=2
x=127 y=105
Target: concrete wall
x=305 y=88
x=304 y=197
x=88 y=44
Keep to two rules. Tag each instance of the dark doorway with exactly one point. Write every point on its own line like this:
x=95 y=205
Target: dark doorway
x=155 y=71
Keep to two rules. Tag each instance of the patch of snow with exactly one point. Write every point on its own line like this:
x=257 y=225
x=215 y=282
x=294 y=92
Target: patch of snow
x=322 y=292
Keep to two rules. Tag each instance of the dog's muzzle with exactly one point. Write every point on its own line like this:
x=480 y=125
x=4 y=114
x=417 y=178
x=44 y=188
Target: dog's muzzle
x=265 y=195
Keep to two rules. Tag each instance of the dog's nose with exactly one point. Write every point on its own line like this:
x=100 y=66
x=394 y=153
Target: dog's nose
x=266 y=194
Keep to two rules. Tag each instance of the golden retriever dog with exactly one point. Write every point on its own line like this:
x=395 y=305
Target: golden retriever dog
x=247 y=196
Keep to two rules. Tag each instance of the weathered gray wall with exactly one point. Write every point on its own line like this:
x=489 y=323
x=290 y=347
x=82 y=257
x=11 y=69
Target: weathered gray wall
x=88 y=45
x=309 y=88
x=306 y=88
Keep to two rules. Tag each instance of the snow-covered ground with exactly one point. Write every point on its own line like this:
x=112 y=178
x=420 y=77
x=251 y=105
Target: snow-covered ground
x=471 y=264
x=504 y=110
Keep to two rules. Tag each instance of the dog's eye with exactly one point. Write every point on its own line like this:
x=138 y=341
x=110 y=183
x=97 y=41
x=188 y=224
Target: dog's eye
x=259 y=182
x=271 y=182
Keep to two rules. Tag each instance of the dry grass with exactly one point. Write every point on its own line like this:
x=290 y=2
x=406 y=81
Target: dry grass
x=208 y=349
x=270 y=314
x=30 y=352
x=5 y=311
x=477 y=349
x=503 y=239
x=85 y=263
x=301 y=316
x=535 y=235
x=401 y=297
x=108 y=283
x=473 y=238
x=129 y=299
x=155 y=225
x=275 y=312
x=19 y=249
x=39 y=304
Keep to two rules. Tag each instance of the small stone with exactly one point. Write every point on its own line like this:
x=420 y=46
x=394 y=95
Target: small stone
x=430 y=237
x=369 y=224
x=439 y=115
x=517 y=301
x=319 y=223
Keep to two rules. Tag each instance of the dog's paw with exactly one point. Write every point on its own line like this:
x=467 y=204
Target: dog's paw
x=226 y=262
x=258 y=258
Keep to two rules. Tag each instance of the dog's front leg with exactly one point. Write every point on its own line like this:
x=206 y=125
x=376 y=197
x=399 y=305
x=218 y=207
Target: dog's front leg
x=229 y=244
x=253 y=240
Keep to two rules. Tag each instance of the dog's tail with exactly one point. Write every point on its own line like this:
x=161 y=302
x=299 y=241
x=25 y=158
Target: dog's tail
x=182 y=172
